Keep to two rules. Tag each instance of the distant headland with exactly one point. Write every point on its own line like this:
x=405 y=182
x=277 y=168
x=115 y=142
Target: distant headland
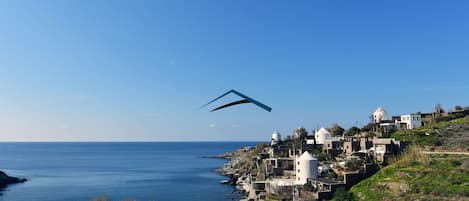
x=6 y=180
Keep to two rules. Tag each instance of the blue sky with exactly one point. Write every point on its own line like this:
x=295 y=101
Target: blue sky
x=139 y=70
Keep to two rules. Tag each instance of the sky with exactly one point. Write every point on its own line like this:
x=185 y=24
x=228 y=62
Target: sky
x=87 y=70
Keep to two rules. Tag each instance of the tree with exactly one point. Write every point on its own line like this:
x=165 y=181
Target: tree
x=368 y=127
x=439 y=109
x=300 y=133
x=458 y=108
x=353 y=131
x=336 y=130
x=370 y=134
x=388 y=129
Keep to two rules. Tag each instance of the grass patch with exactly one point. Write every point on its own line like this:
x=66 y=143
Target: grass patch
x=427 y=135
x=418 y=176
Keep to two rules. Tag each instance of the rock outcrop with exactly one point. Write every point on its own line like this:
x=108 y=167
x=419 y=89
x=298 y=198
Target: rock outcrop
x=6 y=180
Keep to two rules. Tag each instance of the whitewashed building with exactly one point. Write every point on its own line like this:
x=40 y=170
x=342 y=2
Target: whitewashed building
x=380 y=115
x=275 y=138
x=322 y=135
x=306 y=168
x=411 y=121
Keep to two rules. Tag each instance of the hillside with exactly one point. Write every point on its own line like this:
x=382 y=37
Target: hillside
x=419 y=176
x=446 y=135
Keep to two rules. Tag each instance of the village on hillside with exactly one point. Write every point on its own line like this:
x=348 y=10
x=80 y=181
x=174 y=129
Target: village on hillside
x=312 y=166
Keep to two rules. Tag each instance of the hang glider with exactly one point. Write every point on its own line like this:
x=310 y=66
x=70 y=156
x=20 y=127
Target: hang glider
x=245 y=99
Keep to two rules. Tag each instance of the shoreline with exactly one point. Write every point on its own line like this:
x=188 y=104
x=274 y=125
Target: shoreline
x=236 y=171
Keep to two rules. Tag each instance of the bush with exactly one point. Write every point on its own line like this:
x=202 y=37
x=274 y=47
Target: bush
x=332 y=175
x=343 y=195
x=309 y=187
x=372 y=134
x=322 y=156
x=455 y=163
x=386 y=135
x=353 y=164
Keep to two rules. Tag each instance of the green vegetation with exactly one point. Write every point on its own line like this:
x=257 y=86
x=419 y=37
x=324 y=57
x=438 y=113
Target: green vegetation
x=370 y=134
x=367 y=128
x=343 y=195
x=352 y=131
x=272 y=197
x=353 y=164
x=336 y=130
x=426 y=135
x=332 y=175
x=321 y=156
x=416 y=176
x=247 y=163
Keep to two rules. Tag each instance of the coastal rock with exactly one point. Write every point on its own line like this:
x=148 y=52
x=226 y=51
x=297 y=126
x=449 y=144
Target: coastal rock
x=236 y=169
x=6 y=180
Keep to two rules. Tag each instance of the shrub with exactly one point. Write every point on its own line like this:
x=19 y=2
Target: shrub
x=343 y=195
x=309 y=187
x=353 y=164
x=332 y=175
x=322 y=156
x=455 y=163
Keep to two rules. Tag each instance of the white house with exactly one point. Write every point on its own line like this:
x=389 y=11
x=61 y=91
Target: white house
x=275 y=138
x=379 y=115
x=306 y=168
x=322 y=135
x=412 y=120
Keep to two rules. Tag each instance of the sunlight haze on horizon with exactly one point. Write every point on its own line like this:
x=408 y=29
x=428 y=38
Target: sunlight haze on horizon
x=140 y=70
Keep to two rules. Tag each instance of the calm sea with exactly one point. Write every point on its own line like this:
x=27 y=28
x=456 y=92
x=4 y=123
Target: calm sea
x=153 y=171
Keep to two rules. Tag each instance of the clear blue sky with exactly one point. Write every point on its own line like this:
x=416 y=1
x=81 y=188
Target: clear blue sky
x=139 y=70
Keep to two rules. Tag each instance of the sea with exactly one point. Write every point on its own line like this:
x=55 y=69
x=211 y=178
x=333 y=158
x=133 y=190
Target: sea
x=117 y=171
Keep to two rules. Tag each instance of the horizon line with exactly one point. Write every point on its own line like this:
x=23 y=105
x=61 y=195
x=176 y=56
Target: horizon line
x=118 y=141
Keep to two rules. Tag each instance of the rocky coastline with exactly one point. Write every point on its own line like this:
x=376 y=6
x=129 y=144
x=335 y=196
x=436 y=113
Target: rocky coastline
x=6 y=180
x=237 y=169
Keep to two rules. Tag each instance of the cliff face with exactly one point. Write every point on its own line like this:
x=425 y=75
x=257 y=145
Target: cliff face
x=5 y=180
